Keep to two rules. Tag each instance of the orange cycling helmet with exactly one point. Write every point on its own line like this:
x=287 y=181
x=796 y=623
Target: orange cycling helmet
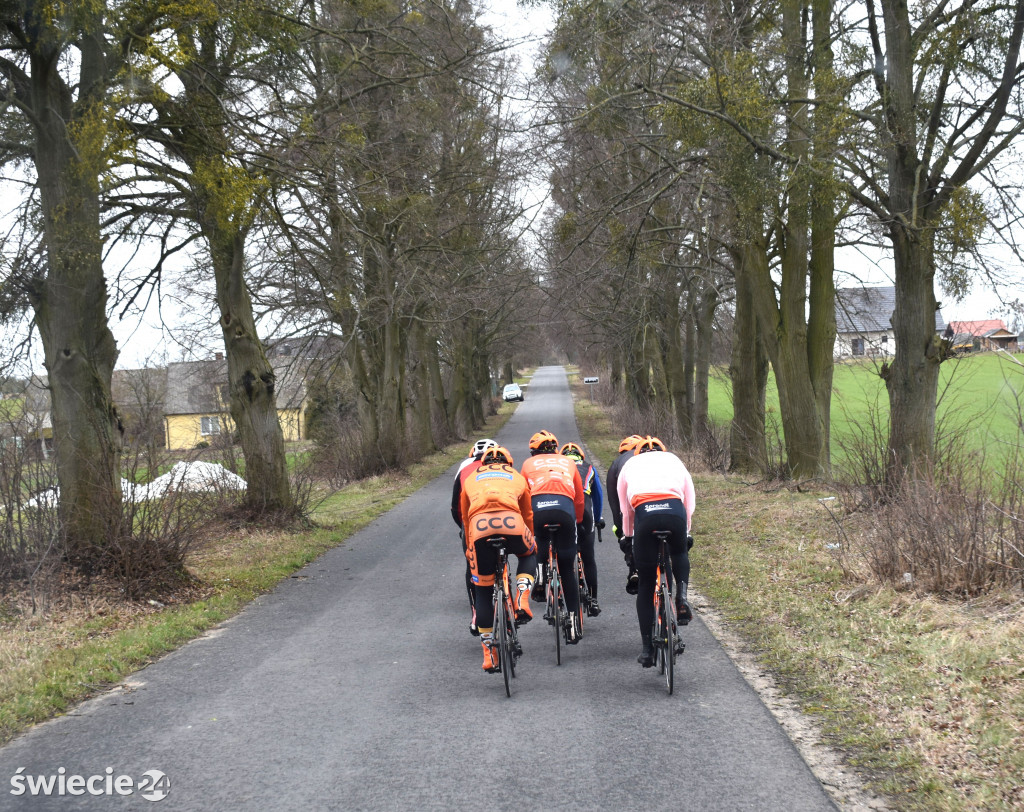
x=648 y=443
x=629 y=443
x=572 y=450
x=496 y=453
x=544 y=441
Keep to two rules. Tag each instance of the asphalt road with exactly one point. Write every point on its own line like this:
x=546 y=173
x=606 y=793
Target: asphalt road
x=356 y=686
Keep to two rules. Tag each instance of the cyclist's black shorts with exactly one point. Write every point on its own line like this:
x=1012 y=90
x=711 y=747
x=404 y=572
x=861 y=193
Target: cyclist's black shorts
x=555 y=509
x=660 y=514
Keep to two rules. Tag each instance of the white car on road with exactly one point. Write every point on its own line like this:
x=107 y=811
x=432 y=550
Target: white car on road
x=512 y=392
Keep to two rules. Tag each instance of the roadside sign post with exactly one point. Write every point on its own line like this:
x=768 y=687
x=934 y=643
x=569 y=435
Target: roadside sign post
x=591 y=381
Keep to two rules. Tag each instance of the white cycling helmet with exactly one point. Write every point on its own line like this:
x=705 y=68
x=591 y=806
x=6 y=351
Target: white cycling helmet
x=480 y=446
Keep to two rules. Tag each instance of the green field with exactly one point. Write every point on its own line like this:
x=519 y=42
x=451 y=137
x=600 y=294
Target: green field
x=977 y=394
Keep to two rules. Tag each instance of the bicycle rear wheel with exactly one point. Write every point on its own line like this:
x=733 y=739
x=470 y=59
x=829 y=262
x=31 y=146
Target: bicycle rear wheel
x=668 y=649
x=656 y=627
x=513 y=636
x=584 y=590
x=504 y=647
x=557 y=612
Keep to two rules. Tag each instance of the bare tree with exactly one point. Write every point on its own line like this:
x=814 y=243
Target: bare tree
x=211 y=126
x=57 y=71
x=944 y=102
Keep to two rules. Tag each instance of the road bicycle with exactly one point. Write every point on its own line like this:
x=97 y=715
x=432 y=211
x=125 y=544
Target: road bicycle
x=664 y=634
x=586 y=598
x=555 y=613
x=506 y=629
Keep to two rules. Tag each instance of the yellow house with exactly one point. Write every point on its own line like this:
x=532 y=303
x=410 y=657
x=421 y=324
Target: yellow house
x=196 y=407
x=25 y=417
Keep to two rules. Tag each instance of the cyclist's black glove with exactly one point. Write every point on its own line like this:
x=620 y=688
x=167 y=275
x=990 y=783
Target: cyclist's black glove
x=600 y=524
x=689 y=542
x=626 y=544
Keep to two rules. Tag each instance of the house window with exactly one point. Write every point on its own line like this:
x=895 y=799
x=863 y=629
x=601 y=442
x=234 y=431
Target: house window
x=885 y=339
x=857 y=346
x=209 y=425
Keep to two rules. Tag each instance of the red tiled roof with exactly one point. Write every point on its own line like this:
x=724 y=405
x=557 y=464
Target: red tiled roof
x=977 y=328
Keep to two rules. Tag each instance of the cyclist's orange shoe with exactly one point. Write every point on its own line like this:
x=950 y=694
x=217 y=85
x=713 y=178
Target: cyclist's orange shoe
x=491 y=660
x=524 y=614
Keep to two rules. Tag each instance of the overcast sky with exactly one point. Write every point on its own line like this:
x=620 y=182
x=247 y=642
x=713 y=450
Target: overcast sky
x=142 y=340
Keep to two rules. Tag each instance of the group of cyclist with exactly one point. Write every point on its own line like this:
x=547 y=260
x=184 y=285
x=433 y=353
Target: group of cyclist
x=557 y=498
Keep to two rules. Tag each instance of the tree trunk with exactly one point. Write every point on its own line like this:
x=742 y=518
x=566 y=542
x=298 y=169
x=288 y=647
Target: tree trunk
x=79 y=355
x=439 y=415
x=704 y=321
x=821 y=319
x=421 y=435
x=748 y=371
x=482 y=388
x=637 y=371
x=676 y=369
x=658 y=342
x=690 y=360
x=912 y=379
x=392 y=429
x=366 y=399
x=251 y=379
x=70 y=302
x=783 y=320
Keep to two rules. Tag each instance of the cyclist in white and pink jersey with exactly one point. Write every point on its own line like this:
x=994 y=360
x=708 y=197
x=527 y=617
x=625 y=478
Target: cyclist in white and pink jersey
x=656 y=493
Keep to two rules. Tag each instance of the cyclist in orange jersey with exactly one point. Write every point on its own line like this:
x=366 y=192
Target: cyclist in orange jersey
x=496 y=502
x=468 y=465
x=557 y=495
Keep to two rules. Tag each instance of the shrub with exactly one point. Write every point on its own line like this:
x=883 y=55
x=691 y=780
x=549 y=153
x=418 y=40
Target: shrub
x=948 y=531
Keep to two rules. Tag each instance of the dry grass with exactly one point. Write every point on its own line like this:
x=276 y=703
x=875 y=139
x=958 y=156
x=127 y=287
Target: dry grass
x=924 y=695
x=928 y=694
x=67 y=638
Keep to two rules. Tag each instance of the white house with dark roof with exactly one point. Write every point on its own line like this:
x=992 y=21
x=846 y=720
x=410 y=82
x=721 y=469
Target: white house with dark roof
x=864 y=322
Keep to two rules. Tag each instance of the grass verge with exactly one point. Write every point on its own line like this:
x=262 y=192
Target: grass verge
x=89 y=639
x=924 y=697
